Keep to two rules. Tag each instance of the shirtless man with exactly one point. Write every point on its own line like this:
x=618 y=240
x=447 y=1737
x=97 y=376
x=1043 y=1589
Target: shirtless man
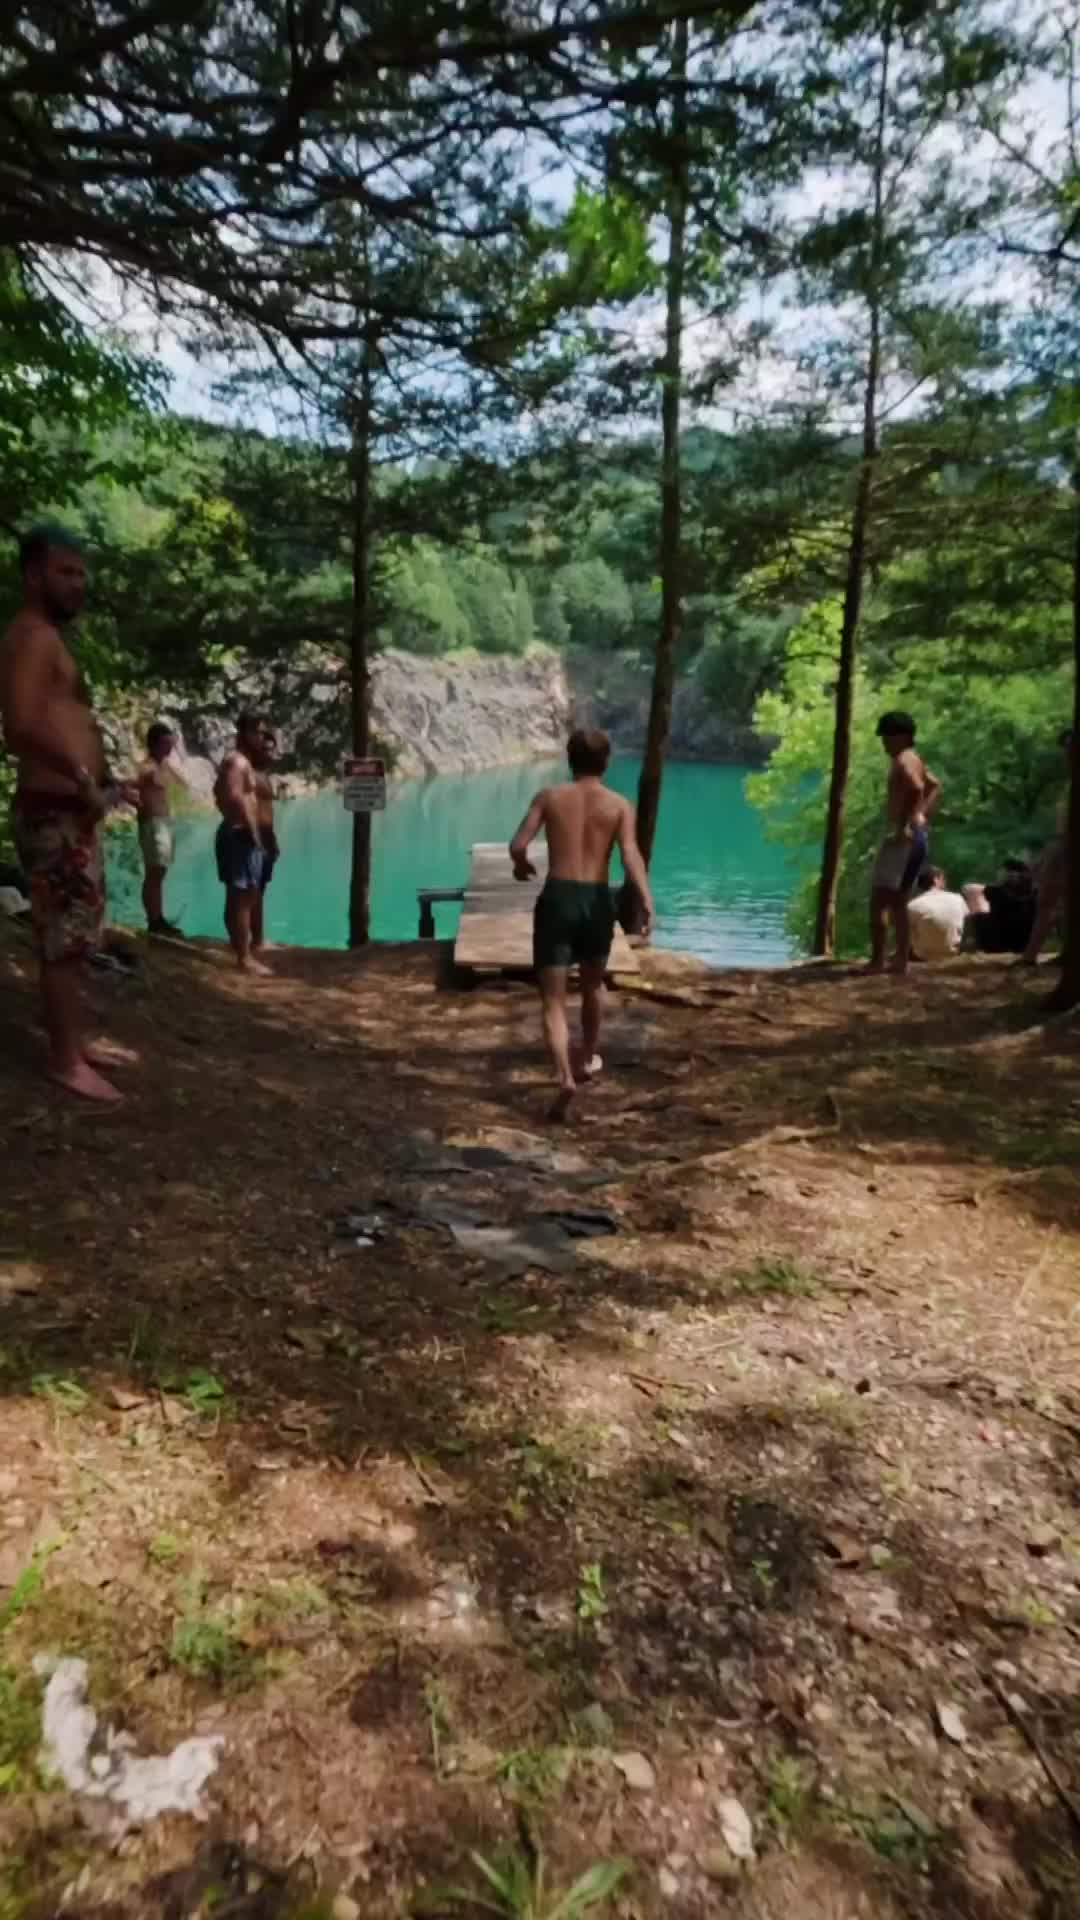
x=63 y=790
x=574 y=921
x=912 y=794
x=245 y=845
x=155 y=823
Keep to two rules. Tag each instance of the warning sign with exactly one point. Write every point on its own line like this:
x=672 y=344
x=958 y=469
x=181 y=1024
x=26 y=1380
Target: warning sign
x=365 y=786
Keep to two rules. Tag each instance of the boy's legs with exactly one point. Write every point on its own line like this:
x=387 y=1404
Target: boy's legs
x=557 y=1034
x=153 y=895
x=881 y=900
x=593 y=999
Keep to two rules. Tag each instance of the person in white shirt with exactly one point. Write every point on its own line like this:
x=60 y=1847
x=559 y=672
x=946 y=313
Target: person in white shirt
x=937 y=917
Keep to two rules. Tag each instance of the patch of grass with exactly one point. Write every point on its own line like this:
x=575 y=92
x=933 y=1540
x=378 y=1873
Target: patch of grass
x=62 y=1391
x=776 y=1276
x=789 y=1794
x=764 y=1576
x=290 y=1600
x=19 y=1719
x=514 y=1887
x=1030 y=1611
x=206 y=1642
x=592 y=1601
x=838 y=1408
x=534 y=1773
x=164 y=1549
x=895 y=1831
x=440 y=1726
x=203 y=1392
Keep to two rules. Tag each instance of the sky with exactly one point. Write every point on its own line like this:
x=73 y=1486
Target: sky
x=193 y=380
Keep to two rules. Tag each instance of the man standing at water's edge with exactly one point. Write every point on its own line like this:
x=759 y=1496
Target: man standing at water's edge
x=61 y=797
x=155 y=823
x=574 y=919
x=912 y=793
x=245 y=844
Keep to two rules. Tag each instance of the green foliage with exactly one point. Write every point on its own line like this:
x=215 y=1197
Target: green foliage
x=513 y=1887
x=989 y=735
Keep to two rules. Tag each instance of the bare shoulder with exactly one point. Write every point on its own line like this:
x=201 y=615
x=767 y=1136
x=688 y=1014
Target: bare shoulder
x=28 y=634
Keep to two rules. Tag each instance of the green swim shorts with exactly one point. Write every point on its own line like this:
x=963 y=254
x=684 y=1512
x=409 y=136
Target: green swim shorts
x=574 y=920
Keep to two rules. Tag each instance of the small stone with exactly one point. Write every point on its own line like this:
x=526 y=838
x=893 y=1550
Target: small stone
x=951 y=1723
x=718 y=1864
x=636 y=1771
x=736 y=1827
x=343 y=1908
x=668 y=1883
x=1042 y=1540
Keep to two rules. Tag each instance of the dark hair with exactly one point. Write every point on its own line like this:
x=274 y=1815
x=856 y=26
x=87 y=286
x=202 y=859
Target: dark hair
x=39 y=542
x=249 y=722
x=588 y=750
x=1016 y=866
x=160 y=730
x=927 y=877
x=895 y=722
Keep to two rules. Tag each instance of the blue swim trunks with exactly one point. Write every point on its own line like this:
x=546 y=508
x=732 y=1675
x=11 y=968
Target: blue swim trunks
x=242 y=865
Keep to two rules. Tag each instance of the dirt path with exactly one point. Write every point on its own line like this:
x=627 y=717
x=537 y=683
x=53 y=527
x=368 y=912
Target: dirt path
x=751 y=1522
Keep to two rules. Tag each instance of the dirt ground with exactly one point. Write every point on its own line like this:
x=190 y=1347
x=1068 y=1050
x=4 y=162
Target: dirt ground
x=743 y=1547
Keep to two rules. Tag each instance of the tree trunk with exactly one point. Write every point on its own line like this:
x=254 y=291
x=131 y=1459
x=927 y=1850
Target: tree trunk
x=1067 y=992
x=359 y=653
x=656 y=738
x=862 y=511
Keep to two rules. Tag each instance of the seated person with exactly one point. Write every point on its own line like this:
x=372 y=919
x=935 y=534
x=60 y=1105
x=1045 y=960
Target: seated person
x=937 y=917
x=1003 y=914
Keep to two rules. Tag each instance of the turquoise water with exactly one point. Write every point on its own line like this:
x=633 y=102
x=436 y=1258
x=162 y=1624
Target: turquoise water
x=721 y=888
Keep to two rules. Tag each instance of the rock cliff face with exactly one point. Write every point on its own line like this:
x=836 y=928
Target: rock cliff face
x=436 y=716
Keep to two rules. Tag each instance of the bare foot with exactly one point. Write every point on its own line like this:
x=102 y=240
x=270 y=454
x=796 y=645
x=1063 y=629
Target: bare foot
x=109 y=1053
x=256 y=967
x=593 y=1066
x=560 y=1106
x=85 y=1081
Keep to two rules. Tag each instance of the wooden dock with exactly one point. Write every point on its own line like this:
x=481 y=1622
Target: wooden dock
x=495 y=932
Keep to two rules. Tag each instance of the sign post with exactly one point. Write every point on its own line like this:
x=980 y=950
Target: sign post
x=364 y=789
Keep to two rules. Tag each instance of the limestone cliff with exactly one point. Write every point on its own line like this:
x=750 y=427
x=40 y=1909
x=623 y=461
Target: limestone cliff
x=450 y=715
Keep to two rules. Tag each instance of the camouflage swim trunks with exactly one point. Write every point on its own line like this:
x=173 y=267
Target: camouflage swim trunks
x=59 y=846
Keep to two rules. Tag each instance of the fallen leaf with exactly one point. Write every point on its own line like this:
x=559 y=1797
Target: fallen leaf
x=636 y=1771
x=124 y=1400
x=843 y=1547
x=951 y=1723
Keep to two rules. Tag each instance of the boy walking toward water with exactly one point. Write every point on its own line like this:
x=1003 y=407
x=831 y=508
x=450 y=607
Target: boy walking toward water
x=911 y=794
x=574 y=920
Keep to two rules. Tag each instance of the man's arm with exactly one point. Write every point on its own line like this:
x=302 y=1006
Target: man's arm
x=523 y=838
x=931 y=793
x=37 y=727
x=235 y=796
x=633 y=864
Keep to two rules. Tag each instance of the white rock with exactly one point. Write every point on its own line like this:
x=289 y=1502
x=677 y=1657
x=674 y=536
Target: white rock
x=141 y=1788
x=668 y=1883
x=736 y=1827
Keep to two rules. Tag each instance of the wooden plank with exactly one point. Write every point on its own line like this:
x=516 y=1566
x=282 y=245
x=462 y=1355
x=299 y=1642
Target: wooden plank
x=495 y=930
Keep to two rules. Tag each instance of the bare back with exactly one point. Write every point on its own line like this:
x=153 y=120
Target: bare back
x=41 y=683
x=582 y=821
